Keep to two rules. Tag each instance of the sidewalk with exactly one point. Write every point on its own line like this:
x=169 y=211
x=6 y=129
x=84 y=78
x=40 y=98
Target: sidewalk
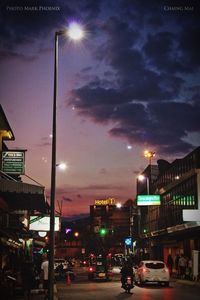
x=186 y=282
x=38 y=294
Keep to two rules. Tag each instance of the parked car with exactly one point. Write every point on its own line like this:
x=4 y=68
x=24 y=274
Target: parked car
x=59 y=261
x=153 y=271
x=116 y=269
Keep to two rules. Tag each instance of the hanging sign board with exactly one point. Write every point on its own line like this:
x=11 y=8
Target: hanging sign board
x=148 y=200
x=13 y=162
x=191 y=215
x=42 y=223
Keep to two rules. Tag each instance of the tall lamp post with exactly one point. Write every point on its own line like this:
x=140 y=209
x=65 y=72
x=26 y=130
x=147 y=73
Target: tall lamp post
x=149 y=154
x=74 y=32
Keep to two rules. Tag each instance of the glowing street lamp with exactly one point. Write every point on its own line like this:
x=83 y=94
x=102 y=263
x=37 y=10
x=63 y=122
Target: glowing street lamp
x=74 y=33
x=149 y=154
x=141 y=178
x=62 y=166
x=118 y=205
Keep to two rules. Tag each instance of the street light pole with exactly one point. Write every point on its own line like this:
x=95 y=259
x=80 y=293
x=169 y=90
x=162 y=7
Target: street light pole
x=74 y=32
x=53 y=177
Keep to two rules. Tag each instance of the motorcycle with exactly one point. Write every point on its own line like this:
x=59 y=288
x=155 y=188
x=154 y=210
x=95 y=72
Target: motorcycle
x=128 y=284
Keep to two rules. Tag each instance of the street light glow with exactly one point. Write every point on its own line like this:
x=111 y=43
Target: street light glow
x=62 y=166
x=75 y=31
x=141 y=177
x=118 y=205
x=149 y=154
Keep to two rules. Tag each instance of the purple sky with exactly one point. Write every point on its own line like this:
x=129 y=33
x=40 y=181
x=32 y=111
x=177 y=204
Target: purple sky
x=134 y=80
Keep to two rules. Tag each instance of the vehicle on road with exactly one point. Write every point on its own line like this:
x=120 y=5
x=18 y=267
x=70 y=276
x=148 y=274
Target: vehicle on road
x=116 y=269
x=152 y=271
x=59 y=261
x=128 y=284
x=99 y=269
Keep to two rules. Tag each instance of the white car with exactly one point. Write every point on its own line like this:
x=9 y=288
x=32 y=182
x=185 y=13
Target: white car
x=116 y=269
x=152 y=271
x=59 y=261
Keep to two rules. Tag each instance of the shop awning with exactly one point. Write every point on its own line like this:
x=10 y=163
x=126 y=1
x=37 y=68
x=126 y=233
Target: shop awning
x=23 y=196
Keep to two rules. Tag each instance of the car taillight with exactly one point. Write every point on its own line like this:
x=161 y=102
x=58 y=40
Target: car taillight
x=165 y=270
x=145 y=270
x=90 y=269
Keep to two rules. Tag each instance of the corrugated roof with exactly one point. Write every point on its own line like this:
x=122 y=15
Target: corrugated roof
x=4 y=125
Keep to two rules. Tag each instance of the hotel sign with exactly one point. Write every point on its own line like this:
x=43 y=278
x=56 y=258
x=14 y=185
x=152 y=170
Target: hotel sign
x=109 y=201
x=13 y=162
x=148 y=200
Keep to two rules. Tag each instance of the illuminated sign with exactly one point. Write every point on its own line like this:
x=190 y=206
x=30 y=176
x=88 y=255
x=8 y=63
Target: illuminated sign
x=42 y=223
x=13 y=162
x=148 y=200
x=188 y=200
x=109 y=201
x=128 y=241
x=191 y=215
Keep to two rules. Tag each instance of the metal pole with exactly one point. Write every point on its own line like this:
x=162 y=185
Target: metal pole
x=147 y=178
x=148 y=193
x=53 y=180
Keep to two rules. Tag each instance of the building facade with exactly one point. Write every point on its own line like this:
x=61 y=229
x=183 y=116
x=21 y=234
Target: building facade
x=117 y=222
x=18 y=200
x=163 y=229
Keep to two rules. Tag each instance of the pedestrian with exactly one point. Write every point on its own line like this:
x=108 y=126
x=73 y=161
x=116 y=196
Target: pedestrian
x=177 y=265
x=182 y=263
x=45 y=274
x=27 y=277
x=190 y=268
x=170 y=264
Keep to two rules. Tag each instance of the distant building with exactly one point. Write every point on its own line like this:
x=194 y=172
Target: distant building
x=162 y=228
x=117 y=222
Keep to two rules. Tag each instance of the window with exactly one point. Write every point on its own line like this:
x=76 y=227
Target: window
x=155 y=265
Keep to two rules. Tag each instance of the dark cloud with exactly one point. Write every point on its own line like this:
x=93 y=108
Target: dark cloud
x=75 y=217
x=151 y=98
x=189 y=46
x=25 y=22
x=149 y=89
x=66 y=199
x=106 y=187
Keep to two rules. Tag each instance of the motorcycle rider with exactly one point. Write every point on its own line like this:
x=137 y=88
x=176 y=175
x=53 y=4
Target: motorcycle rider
x=126 y=270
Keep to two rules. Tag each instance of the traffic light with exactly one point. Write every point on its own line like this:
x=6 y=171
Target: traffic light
x=102 y=232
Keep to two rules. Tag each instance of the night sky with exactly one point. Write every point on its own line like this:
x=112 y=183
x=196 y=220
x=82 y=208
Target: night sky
x=133 y=81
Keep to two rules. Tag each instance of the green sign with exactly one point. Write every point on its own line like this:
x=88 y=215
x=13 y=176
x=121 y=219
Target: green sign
x=13 y=162
x=148 y=200
x=183 y=200
x=37 y=218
